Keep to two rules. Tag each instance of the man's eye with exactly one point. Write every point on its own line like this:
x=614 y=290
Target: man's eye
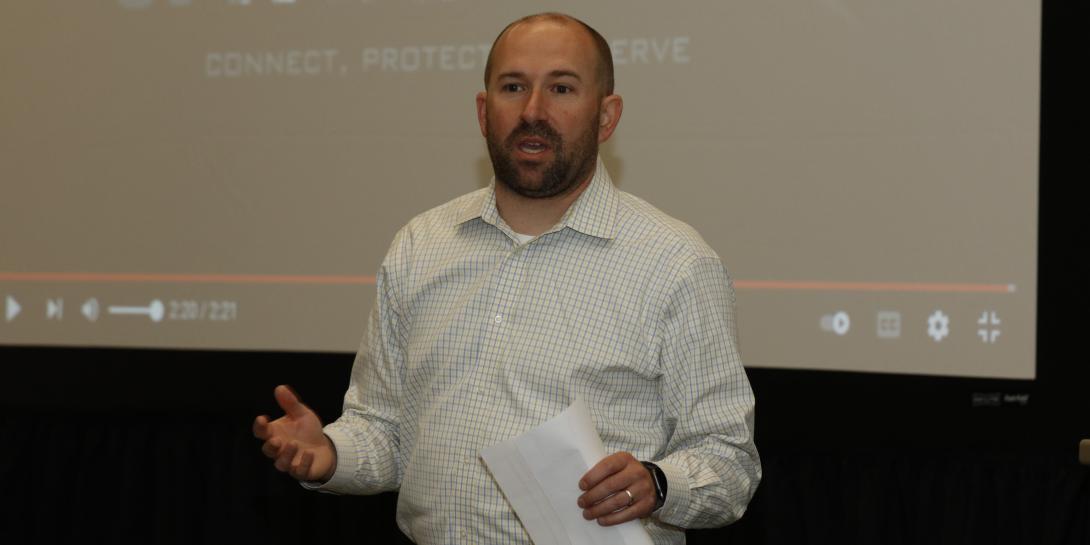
x=511 y=87
x=562 y=89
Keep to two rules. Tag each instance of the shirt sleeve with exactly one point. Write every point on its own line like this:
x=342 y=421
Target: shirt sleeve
x=711 y=464
x=366 y=436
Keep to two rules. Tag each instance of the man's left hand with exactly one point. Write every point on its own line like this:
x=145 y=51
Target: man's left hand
x=605 y=484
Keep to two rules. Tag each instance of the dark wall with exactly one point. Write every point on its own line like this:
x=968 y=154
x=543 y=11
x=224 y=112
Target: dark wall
x=116 y=446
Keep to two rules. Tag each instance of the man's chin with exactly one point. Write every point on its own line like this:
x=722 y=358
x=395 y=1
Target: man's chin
x=531 y=176
x=526 y=188
x=532 y=166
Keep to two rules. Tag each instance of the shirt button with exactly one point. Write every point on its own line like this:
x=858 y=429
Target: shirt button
x=499 y=318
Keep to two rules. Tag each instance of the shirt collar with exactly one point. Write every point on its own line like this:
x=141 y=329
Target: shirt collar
x=593 y=213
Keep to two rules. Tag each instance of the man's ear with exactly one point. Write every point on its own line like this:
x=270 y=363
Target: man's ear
x=482 y=117
x=610 y=116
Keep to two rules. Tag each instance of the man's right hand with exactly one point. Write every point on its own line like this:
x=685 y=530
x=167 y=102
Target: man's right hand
x=296 y=441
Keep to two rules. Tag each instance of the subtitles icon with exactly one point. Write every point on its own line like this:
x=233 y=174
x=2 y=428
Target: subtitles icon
x=889 y=324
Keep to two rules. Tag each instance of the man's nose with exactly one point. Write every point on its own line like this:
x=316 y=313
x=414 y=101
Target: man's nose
x=534 y=109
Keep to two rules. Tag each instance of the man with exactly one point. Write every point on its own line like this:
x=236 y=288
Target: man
x=496 y=310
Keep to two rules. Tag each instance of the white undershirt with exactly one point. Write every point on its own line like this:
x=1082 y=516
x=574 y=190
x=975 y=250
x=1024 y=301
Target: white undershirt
x=521 y=238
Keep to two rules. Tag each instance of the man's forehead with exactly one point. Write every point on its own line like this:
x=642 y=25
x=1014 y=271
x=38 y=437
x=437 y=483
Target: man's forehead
x=564 y=44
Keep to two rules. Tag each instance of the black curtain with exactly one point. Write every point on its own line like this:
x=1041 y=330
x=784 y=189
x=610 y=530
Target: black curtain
x=138 y=456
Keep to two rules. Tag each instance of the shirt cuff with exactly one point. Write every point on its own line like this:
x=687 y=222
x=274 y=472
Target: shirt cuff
x=677 y=492
x=347 y=461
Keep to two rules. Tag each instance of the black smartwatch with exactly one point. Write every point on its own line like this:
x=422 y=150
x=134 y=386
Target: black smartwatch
x=659 y=478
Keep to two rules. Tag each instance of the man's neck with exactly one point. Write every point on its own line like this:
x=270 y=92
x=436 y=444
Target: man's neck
x=535 y=216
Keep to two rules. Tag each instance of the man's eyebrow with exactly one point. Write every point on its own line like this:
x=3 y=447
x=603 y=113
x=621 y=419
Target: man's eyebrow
x=515 y=74
x=563 y=73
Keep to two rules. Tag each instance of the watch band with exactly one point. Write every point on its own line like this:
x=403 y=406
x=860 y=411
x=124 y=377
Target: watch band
x=659 y=478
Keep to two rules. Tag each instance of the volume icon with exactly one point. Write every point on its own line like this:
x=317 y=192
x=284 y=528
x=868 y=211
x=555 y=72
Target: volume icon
x=90 y=309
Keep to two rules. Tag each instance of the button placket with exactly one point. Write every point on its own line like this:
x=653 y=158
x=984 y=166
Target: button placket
x=510 y=277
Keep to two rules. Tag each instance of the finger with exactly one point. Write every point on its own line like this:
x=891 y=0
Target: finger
x=287 y=454
x=603 y=491
x=640 y=508
x=620 y=500
x=616 y=502
x=261 y=427
x=617 y=507
x=606 y=467
x=289 y=401
x=609 y=486
x=301 y=468
x=633 y=478
x=271 y=448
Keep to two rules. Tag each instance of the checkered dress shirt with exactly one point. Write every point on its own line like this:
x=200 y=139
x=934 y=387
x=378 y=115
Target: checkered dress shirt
x=476 y=338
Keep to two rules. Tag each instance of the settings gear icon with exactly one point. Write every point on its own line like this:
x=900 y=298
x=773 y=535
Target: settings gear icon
x=938 y=325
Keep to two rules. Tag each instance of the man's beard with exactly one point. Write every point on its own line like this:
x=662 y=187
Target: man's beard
x=564 y=172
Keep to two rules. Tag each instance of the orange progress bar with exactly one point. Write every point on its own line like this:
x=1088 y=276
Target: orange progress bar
x=189 y=278
x=923 y=287
x=317 y=279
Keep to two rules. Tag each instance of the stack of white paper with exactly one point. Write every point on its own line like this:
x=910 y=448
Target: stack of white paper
x=539 y=472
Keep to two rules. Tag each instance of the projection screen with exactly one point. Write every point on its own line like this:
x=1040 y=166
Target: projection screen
x=228 y=174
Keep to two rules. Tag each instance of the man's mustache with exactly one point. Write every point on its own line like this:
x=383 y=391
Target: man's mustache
x=538 y=129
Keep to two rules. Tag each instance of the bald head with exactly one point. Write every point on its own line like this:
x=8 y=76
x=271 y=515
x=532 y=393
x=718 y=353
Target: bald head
x=604 y=59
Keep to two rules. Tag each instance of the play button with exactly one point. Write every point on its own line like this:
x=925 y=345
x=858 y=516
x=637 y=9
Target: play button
x=12 y=308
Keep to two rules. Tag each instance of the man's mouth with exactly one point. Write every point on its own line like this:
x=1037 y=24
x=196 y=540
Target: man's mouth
x=532 y=146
